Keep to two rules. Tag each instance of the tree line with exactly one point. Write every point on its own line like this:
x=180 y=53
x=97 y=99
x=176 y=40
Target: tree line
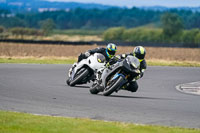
x=171 y=31
x=173 y=26
x=97 y=18
x=46 y=27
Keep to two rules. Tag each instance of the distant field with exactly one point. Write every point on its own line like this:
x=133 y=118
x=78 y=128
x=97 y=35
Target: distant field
x=59 y=37
x=35 y=50
x=78 y=32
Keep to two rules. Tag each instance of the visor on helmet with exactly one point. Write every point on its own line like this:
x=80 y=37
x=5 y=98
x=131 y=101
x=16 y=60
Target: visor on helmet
x=140 y=56
x=110 y=52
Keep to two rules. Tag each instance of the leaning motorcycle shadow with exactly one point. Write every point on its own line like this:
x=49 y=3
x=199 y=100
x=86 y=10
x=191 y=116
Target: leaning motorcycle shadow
x=138 y=97
x=126 y=97
x=81 y=86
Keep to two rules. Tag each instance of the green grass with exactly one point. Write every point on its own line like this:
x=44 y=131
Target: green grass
x=72 y=60
x=12 y=122
x=173 y=63
x=37 y=60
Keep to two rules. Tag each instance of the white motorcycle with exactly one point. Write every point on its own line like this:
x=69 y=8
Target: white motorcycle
x=85 y=70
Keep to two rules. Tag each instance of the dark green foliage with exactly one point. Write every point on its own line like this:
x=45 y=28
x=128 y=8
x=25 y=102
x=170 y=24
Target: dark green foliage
x=1 y=29
x=171 y=24
x=190 y=35
x=12 y=22
x=143 y=35
x=98 y=19
x=47 y=26
x=2 y=34
x=197 y=39
x=87 y=18
x=126 y=20
x=189 y=38
x=194 y=20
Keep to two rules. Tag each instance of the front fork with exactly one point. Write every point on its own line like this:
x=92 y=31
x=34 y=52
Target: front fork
x=71 y=69
x=123 y=84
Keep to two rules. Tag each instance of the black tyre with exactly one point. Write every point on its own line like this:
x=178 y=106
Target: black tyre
x=68 y=82
x=113 y=86
x=79 y=77
x=93 y=89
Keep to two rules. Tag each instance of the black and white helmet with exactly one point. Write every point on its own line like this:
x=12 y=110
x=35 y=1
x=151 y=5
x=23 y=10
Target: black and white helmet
x=139 y=52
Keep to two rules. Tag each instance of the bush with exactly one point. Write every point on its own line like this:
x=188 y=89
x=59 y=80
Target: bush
x=18 y=31
x=197 y=40
x=143 y=35
x=114 y=34
x=190 y=38
x=47 y=26
x=156 y=36
x=1 y=29
x=2 y=34
x=189 y=35
x=33 y=32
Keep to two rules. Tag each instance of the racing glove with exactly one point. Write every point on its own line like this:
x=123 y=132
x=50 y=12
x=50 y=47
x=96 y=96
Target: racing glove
x=87 y=54
x=108 y=65
x=138 y=77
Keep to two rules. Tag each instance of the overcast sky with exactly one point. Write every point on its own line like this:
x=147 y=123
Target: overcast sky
x=130 y=3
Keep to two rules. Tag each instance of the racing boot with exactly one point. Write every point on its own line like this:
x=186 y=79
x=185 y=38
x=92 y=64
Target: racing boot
x=99 y=85
x=96 y=87
x=132 y=86
x=122 y=88
x=100 y=88
x=126 y=87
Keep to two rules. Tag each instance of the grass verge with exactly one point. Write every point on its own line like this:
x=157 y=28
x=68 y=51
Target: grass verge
x=71 y=60
x=34 y=60
x=12 y=122
x=173 y=63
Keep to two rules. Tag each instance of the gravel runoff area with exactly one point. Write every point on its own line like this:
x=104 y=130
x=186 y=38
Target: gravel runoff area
x=190 y=88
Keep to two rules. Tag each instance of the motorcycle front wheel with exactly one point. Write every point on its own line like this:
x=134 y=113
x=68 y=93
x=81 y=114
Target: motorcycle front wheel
x=113 y=86
x=80 y=75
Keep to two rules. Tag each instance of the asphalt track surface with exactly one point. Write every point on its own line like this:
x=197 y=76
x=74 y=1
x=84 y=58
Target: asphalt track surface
x=41 y=89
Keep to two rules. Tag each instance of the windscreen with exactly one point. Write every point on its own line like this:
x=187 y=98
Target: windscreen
x=101 y=58
x=133 y=61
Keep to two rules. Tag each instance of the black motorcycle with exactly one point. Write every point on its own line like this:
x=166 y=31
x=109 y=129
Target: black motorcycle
x=116 y=76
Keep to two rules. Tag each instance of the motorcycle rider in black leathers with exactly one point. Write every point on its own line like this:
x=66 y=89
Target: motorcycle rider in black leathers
x=108 y=52
x=140 y=53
